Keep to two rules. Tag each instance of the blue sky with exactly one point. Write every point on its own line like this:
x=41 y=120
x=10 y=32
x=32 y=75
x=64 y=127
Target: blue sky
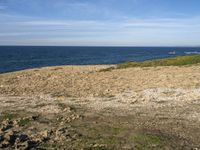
x=100 y=22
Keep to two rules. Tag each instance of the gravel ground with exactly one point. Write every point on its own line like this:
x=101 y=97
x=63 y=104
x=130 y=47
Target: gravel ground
x=159 y=101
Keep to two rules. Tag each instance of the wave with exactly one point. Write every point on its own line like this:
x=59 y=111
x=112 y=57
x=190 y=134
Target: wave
x=194 y=52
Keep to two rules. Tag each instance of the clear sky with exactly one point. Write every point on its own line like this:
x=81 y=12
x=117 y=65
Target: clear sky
x=100 y=22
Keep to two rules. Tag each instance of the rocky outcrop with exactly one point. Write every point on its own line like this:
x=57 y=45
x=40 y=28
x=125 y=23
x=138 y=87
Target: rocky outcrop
x=10 y=137
x=28 y=132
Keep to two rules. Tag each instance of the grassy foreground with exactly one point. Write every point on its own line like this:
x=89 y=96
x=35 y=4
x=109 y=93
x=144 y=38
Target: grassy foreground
x=175 y=61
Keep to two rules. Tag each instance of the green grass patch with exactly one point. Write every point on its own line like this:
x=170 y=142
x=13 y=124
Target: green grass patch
x=146 y=142
x=111 y=141
x=118 y=130
x=8 y=116
x=107 y=69
x=24 y=122
x=174 y=61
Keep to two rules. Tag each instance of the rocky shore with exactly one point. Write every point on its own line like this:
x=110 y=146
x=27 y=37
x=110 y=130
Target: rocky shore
x=82 y=107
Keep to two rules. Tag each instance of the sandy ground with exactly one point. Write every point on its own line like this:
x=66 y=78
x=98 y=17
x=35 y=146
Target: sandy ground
x=163 y=100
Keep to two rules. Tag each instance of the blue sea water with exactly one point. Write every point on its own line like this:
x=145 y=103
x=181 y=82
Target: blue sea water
x=13 y=58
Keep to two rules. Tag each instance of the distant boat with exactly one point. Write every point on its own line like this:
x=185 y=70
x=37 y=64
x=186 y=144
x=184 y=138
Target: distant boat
x=172 y=52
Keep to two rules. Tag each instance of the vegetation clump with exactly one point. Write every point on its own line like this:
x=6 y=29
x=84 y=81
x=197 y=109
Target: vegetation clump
x=7 y=116
x=24 y=122
x=174 y=61
x=146 y=142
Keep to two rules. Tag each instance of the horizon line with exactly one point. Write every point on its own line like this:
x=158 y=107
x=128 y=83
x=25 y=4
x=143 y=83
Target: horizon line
x=102 y=45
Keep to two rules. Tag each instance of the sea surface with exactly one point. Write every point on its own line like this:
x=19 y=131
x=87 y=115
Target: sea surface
x=13 y=58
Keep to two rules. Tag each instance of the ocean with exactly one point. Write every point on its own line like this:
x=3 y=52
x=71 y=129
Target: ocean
x=14 y=58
